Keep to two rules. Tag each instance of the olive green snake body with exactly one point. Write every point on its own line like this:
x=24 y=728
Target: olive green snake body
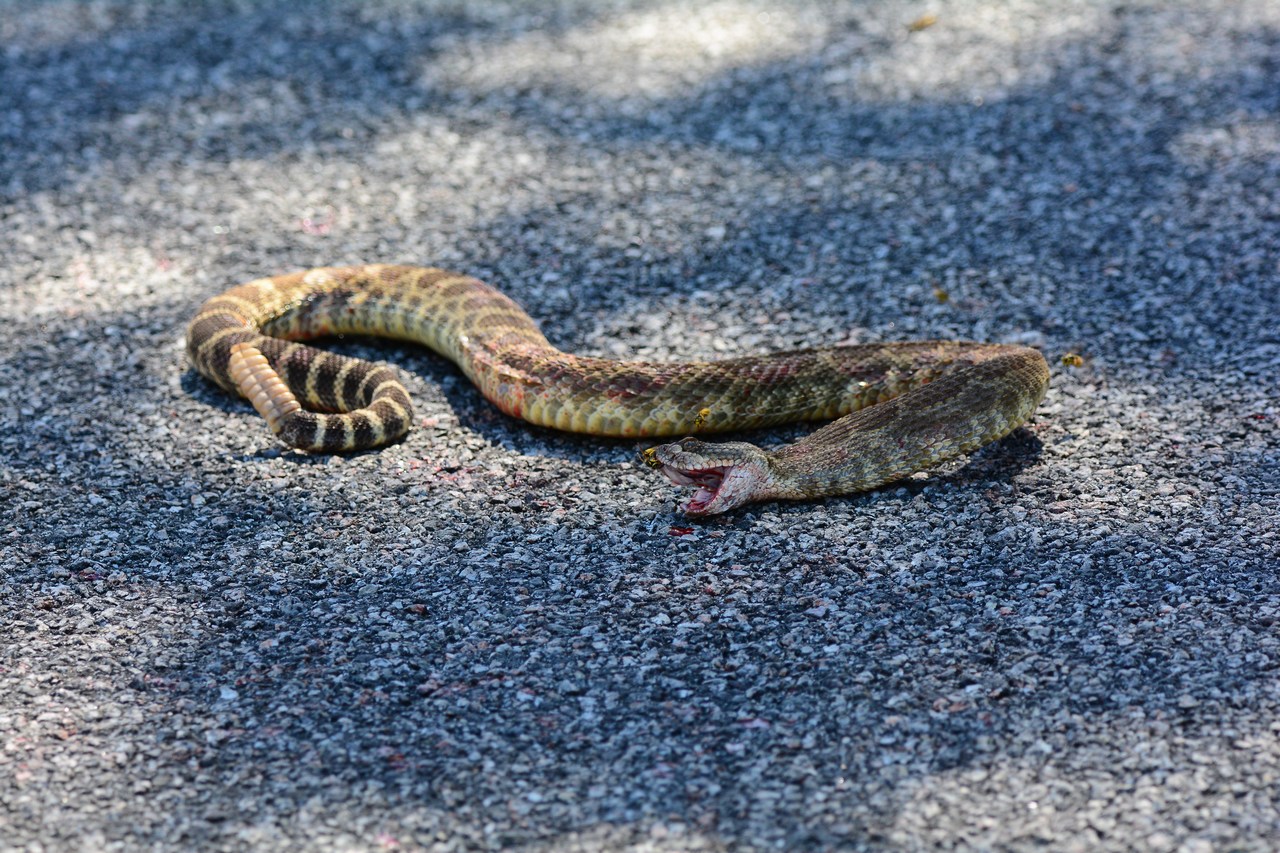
x=898 y=407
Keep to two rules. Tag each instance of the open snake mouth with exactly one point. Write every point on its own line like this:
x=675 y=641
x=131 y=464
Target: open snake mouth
x=707 y=482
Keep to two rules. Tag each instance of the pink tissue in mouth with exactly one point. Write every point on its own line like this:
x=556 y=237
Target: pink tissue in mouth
x=707 y=480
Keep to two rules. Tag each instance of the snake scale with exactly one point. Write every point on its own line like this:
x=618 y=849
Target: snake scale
x=898 y=407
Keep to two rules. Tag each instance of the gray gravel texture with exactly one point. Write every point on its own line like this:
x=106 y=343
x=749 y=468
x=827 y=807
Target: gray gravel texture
x=494 y=636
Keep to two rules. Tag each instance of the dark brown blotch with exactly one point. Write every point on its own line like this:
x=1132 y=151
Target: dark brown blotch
x=362 y=430
x=209 y=324
x=324 y=372
x=335 y=433
x=349 y=394
x=299 y=430
x=393 y=423
x=295 y=370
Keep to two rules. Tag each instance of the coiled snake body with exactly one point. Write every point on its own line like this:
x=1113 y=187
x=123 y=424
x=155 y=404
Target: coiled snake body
x=899 y=407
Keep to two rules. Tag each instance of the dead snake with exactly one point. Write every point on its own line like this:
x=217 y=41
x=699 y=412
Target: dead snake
x=898 y=407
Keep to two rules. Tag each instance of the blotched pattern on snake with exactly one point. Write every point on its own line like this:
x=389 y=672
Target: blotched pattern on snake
x=897 y=407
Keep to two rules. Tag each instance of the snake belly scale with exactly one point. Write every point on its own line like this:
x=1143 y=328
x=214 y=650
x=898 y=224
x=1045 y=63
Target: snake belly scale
x=897 y=407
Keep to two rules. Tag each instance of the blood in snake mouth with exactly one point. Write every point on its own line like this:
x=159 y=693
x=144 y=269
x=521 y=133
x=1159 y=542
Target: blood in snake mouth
x=707 y=481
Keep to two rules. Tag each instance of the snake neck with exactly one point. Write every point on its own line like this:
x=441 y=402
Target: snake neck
x=952 y=415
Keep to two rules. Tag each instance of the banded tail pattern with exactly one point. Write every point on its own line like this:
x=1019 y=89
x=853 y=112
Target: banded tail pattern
x=246 y=340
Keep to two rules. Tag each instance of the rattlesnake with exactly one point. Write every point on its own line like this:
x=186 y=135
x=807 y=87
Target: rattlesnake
x=899 y=407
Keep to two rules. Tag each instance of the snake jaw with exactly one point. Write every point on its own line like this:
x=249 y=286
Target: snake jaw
x=707 y=482
x=724 y=475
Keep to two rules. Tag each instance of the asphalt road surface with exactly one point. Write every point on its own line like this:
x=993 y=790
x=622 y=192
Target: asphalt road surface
x=494 y=636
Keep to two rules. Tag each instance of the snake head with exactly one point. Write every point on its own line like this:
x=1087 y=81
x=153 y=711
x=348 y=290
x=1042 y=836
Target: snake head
x=726 y=475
